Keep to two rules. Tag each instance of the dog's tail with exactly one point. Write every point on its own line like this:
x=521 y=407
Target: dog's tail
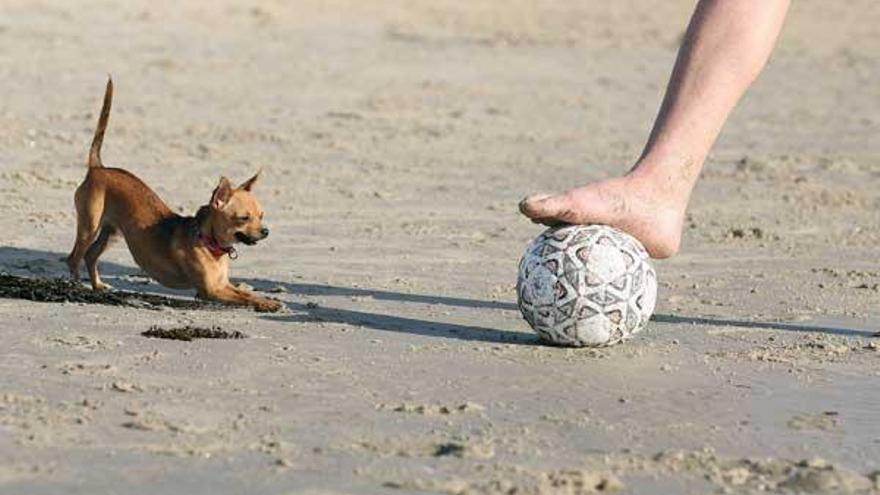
x=95 y=151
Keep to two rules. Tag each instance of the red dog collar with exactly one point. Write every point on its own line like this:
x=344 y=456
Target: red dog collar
x=214 y=247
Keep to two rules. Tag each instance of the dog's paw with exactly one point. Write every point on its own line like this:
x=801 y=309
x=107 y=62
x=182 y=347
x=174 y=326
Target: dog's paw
x=102 y=287
x=268 y=306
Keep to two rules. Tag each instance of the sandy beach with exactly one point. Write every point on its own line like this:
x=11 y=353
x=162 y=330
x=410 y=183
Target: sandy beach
x=396 y=139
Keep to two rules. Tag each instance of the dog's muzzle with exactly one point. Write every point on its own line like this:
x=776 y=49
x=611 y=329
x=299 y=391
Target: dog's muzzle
x=242 y=237
x=250 y=241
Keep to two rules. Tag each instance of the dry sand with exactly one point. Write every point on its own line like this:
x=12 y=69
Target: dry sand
x=396 y=140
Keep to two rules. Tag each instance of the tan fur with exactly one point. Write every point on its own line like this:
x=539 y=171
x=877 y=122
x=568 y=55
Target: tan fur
x=111 y=202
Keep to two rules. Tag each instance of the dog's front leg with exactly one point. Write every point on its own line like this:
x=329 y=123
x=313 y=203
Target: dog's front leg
x=231 y=295
x=262 y=304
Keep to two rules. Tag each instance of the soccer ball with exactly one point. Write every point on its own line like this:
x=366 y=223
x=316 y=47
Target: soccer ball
x=586 y=285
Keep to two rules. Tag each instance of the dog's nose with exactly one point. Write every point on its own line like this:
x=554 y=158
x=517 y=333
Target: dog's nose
x=264 y=232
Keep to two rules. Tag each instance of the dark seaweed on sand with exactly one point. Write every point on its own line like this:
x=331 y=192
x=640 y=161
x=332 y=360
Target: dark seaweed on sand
x=188 y=333
x=62 y=290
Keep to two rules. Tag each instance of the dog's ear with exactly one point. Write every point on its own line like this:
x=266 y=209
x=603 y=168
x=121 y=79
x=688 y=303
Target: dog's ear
x=221 y=194
x=248 y=184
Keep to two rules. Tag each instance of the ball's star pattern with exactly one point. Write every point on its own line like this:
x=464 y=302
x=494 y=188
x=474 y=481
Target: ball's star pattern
x=586 y=285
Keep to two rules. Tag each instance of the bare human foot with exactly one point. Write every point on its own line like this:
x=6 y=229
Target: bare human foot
x=725 y=47
x=638 y=205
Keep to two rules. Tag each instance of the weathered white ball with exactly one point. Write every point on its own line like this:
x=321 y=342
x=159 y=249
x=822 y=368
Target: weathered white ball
x=586 y=285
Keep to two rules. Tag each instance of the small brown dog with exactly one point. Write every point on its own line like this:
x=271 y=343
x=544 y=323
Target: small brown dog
x=179 y=252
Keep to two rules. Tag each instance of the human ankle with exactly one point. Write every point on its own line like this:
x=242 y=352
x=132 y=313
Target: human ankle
x=670 y=175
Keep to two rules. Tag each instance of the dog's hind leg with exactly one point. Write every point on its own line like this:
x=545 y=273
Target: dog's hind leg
x=89 y=210
x=105 y=238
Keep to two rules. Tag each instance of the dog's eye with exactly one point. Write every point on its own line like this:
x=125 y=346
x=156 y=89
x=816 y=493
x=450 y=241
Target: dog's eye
x=243 y=218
